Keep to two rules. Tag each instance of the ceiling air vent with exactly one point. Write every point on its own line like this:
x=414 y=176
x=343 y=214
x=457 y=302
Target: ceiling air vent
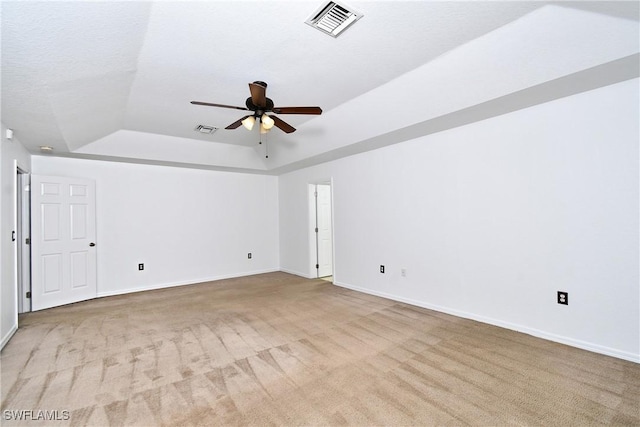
x=205 y=129
x=333 y=18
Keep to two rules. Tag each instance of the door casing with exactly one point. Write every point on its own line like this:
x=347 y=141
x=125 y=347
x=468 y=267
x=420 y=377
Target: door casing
x=23 y=248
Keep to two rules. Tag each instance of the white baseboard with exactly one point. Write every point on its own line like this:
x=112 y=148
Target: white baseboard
x=584 y=345
x=297 y=273
x=182 y=283
x=8 y=336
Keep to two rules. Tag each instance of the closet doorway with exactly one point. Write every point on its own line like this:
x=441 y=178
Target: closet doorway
x=323 y=230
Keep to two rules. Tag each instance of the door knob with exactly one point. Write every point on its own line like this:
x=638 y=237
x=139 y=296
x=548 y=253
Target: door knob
x=92 y=244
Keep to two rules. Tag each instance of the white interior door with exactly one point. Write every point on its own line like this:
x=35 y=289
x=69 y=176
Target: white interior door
x=325 y=234
x=63 y=221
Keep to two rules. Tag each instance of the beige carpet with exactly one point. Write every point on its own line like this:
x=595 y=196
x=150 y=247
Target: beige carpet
x=276 y=349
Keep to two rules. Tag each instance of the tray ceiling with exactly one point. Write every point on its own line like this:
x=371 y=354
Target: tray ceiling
x=113 y=80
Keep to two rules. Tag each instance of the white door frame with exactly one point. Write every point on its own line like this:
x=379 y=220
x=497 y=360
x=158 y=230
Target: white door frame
x=23 y=233
x=18 y=167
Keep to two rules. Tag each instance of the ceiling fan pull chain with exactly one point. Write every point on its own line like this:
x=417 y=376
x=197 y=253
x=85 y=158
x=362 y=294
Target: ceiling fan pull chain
x=266 y=146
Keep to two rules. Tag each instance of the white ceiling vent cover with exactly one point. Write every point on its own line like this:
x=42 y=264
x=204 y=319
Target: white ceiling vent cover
x=333 y=18
x=205 y=129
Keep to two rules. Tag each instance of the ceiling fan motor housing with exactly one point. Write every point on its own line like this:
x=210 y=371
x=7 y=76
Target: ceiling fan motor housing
x=251 y=106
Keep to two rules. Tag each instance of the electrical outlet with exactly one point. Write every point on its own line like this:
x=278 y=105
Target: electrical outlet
x=382 y=269
x=403 y=272
x=563 y=298
x=249 y=255
x=140 y=267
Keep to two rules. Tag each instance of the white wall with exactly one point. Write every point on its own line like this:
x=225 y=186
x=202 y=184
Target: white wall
x=491 y=219
x=10 y=153
x=186 y=226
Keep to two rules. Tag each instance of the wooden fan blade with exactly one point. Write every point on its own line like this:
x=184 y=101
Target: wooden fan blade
x=236 y=124
x=297 y=110
x=258 y=94
x=286 y=127
x=208 y=104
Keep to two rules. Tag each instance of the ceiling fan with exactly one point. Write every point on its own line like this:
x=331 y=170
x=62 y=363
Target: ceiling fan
x=260 y=105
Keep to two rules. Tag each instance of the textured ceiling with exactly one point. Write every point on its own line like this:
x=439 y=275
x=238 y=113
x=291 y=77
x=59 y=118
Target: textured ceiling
x=114 y=80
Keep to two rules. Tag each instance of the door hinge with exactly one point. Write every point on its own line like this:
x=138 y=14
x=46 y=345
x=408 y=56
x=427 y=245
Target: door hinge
x=28 y=294
x=315 y=193
x=316 y=229
x=317 y=265
x=27 y=241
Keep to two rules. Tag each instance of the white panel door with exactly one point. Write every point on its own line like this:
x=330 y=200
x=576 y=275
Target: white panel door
x=63 y=235
x=325 y=244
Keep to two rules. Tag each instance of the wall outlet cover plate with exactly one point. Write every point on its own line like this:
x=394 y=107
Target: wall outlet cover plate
x=563 y=298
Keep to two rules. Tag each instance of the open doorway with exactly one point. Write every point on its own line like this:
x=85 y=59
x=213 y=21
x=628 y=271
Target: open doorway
x=23 y=239
x=322 y=202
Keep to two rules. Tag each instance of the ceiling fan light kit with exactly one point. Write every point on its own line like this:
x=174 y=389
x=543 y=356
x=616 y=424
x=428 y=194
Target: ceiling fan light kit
x=249 y=122
x=267 y=121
